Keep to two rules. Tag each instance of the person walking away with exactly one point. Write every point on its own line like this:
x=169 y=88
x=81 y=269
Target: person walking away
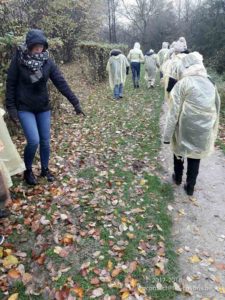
x=135 y=58
x=161 y=56
x=192 y=120
x=179 y=52
x=27 y=98
x=117 y=68
x=150 y=68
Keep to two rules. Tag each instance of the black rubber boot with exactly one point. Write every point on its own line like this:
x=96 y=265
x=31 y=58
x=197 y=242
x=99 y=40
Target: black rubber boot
x=177 y=180
x=29 y=177
x=46 y=173
x=189 y=189
x=178 y=169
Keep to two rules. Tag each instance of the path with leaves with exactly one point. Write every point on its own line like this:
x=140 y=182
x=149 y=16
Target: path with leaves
x=101 y=230
x=199 y=229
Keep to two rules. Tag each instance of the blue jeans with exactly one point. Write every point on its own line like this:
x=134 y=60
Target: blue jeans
x=135 y=68
x=36 y=128
x=118 y=90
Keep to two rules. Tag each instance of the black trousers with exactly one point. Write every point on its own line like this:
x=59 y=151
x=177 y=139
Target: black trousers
x=192 y=169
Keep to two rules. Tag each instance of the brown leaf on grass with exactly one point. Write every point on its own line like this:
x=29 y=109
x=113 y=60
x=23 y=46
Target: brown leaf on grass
x=132 y=266
x=116 y=272
x=95 y=281
x=14 y=274
x=68 y=239
x=62 y=294
x=26 y=278
x=41 y=259
x=78 y=292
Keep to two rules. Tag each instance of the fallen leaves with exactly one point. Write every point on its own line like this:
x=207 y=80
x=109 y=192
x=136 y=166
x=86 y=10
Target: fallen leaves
x=194 y=259
x=97 y=293
x=94 y=225
x=10 y=261
x=14 y=296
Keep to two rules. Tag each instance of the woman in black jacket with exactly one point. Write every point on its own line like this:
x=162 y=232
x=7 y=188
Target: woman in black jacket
x=27 y=98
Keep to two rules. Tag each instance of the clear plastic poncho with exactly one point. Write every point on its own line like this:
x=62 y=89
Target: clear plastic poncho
x=116 y=67
x=151 y=65
x=136 y=54
x=10 y=161
x=193 y=117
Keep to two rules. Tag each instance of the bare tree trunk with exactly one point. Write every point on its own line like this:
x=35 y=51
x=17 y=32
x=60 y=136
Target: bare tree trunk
x=113 y=21
x=109 y=20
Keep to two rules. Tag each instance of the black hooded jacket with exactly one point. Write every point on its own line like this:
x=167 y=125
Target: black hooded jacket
x=22 y=94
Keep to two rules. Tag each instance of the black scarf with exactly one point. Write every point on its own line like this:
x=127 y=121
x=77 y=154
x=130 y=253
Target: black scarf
x=33 y=62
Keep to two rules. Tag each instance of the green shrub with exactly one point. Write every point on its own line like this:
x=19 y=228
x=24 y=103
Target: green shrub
x=94 y=57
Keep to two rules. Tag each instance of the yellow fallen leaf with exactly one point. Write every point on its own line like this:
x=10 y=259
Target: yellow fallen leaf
x=109 y=265
x=7 y=252
x=1 y=252
x=221 y=290
x=68 y=239
x=133 y=282
x=124 y=219
x=194 y=259
x=210 y=260
x=181 y=212
x=130 y=235
x=160 y=265
x=125 y=295
x=10 y=261
x=142 y=181
x=141 y=290
x=14 y=296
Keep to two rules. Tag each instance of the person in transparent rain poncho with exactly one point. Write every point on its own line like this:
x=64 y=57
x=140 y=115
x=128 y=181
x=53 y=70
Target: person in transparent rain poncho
x=180 y=50
x=192 y=120
x=150 y=68
x=117 y=68
x=161 y=57
x=136 y=58
x=10 y=164
x=166 y=70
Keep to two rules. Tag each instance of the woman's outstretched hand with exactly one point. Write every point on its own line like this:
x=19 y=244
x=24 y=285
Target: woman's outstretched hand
x=79 y=110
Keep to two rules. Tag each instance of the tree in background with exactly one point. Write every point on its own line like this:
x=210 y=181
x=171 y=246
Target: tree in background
x=68 y=20
x=112 y=5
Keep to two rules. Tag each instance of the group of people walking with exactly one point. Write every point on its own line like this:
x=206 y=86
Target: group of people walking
x=193 y=105
x=193 y=100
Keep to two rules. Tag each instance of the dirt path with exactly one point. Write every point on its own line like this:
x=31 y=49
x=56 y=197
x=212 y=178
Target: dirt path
x=199 y=228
